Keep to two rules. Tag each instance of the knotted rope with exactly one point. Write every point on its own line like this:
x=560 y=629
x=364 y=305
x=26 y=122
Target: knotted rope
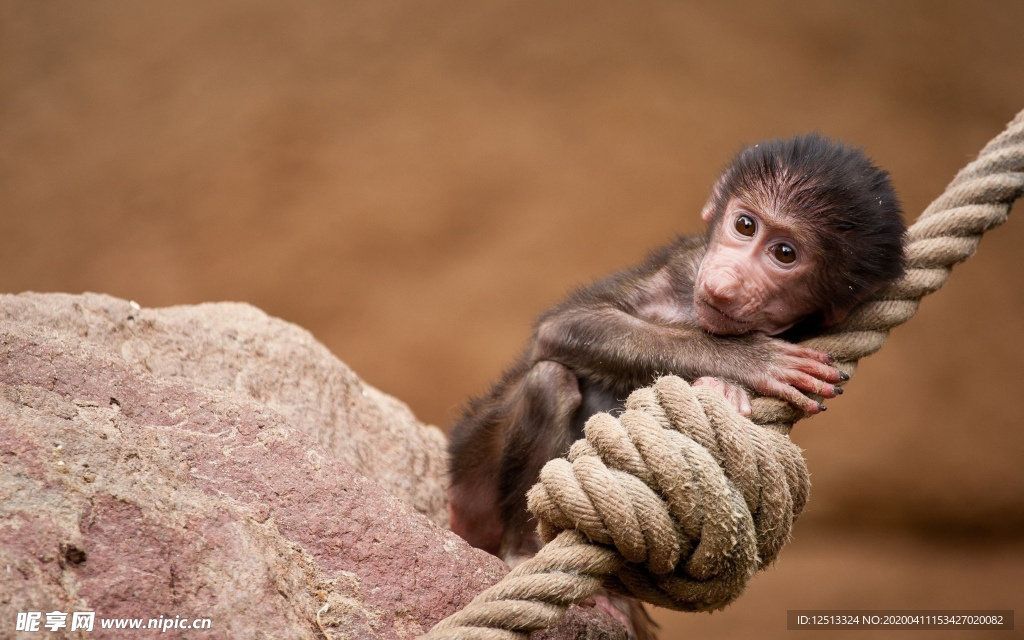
x=680 y=500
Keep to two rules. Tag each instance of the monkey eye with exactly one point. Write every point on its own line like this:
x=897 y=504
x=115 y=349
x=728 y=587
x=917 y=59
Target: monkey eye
x=746 y=225
x=784 y=253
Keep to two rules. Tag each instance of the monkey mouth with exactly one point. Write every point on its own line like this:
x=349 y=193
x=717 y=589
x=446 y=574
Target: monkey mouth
x=717 y=321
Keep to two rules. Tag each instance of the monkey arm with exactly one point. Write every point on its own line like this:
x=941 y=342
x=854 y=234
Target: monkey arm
x=622 y=351
x=610 y=344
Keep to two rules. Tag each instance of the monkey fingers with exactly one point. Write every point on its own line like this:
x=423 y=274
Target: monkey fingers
x=811 y=362
x=793 y=373
x=805 y=353
x=790 y=394
x=811 y=384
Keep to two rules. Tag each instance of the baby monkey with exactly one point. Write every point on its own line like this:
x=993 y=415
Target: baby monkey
x=799 y=231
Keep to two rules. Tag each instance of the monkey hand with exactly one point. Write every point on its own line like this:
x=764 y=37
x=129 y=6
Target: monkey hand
x=790 y=369
x=734 y=393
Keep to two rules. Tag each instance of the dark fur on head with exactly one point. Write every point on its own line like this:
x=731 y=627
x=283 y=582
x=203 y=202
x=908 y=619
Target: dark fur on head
x=851 y=210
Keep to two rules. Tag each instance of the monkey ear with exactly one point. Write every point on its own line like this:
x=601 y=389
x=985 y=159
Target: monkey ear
x=708 y=212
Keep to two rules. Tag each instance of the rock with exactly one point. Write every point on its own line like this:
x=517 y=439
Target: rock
x=211 y=462
x=236 y=347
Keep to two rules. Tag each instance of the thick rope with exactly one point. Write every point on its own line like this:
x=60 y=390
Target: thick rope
x=680 y=500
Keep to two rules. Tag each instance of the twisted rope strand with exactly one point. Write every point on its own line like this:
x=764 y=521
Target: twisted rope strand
x=680 y=500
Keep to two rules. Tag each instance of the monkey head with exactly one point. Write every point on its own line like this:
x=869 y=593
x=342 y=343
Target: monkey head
x=797 y=228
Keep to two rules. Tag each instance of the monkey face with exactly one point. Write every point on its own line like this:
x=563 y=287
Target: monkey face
x=755 y=274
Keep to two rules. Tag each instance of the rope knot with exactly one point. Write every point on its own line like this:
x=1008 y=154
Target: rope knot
x=693 y=496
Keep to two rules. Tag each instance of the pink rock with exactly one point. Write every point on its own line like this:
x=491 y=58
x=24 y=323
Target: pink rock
x=213 y=462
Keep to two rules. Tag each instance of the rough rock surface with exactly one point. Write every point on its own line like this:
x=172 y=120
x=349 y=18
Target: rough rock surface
x=236 y=347
x=163 y=463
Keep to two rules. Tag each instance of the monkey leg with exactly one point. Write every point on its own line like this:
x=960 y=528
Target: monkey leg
x=628 y=612
x=539 y=428
x=474 y=515
x=474 y=453
x=734 y=393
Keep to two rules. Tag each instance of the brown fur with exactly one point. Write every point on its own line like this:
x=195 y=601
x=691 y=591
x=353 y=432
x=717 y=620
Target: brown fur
x=604 y=340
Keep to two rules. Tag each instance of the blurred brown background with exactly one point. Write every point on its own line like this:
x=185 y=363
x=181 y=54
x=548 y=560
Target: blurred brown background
x=414 y=182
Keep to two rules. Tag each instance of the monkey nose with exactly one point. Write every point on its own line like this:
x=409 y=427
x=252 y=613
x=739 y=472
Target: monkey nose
x=719 y=292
